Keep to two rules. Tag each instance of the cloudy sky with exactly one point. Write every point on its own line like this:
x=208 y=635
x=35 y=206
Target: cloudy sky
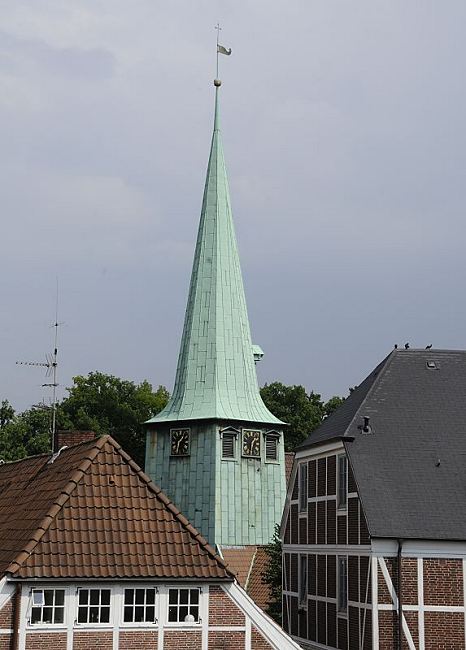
x=344 y=132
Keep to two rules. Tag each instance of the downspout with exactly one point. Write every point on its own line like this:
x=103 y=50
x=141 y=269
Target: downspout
x=400 y=599
x=16 y=618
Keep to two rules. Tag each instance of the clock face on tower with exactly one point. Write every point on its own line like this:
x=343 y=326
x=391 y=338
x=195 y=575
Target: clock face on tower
x=251 y=443
x=179 y=444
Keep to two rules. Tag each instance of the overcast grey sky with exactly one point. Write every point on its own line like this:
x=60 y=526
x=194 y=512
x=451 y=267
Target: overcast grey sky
x=344 y=133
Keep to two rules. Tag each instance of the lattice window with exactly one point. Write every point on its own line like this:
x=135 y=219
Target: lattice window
x=93 y=605
x=303 y=487
x=47 y=606
x=342 y=584
x=342 y=481
x=139 y=605
x=183 y=605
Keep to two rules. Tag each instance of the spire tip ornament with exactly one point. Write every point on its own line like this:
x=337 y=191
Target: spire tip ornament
x=217 y=83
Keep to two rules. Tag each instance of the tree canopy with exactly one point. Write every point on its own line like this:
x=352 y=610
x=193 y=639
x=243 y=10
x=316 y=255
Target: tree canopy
x=106 y=404
x=96 y=402
x=302 y=411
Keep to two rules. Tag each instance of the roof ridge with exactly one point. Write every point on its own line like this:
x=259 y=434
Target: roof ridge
x=195 y=534
x=57 y=505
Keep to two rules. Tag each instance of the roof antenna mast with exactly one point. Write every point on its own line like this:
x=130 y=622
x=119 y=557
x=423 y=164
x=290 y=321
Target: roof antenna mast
x=51 y=363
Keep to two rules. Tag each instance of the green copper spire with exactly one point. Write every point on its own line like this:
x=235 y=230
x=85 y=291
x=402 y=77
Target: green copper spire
x=216 y=374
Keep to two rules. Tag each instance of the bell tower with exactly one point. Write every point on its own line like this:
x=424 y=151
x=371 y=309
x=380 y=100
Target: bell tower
x=215 y=449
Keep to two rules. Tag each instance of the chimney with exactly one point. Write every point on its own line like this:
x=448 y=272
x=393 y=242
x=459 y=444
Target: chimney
x=70 y=437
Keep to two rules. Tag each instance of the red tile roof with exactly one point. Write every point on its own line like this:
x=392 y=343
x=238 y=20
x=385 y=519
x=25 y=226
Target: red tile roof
x=93 y=513
x=239 y=561
x=289 y=460
x=256 y=588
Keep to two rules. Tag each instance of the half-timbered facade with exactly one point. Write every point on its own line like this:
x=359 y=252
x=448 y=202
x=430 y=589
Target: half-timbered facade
x=374 y=533
x=94 y=555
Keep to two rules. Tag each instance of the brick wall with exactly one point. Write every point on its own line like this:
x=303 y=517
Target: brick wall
x=42 y=640
x=6 y=614
x=183 y=640
x=222 y=610
x=443 y=582
x=257 y=641
x=5 y=641
x=138 y=640
x=444 y=630
x=221 y=641
x=87 y=640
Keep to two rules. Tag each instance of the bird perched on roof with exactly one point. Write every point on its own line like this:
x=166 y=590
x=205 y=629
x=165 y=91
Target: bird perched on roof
x=396 y=346
x=429 y=347
x=406 y=346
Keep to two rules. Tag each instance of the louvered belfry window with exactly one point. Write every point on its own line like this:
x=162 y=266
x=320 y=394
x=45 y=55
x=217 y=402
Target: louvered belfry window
x=271 y=448
x=228 y=444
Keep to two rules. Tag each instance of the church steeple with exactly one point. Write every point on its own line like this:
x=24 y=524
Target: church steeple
x=216 y=375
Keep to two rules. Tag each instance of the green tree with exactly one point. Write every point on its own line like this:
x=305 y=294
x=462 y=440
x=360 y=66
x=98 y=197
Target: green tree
x=272 y=576
x=7 y=413
x=106 y=404
x=332 y=404
x=303 y=412
x=24 y=434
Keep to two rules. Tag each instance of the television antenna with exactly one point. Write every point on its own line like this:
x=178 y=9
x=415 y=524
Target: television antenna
x=51 y=373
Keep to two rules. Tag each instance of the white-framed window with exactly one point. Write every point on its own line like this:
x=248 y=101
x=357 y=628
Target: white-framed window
x=342 y=495
x=342 y=584
x=271 y=446
x=93 y=606
x=303 y=581
x=140 y=605
x=47 y=607
x=183 y=605
x=302 y=487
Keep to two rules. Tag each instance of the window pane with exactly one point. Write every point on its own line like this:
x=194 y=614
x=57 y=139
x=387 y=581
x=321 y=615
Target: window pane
x=38 y=597
x=35 y=615
x=129 y=596
x=93 y=615
x=184 y=596
x=48 y=597
x=194 y=596
x=128 y=615
x=60 y=597
x=105 y=596
x=150 y=596
x=173 y=614
x=83 y=596
x=173 y=596
x=183 y=613
x=82 y=615
x=94 y=596
x=139 y=614
x=105 y=614
x=59 y=614
x=150 y=614
x=194 y=611
x=140 y=596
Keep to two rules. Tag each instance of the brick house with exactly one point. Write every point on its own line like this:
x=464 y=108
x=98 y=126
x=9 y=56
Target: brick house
x=374 y=527
x=94 y=555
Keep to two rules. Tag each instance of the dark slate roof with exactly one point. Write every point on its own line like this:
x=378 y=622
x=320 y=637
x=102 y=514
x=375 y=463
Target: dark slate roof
x=410 y=470
x=93 y=513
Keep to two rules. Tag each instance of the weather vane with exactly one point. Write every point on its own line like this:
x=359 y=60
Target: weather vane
x=220 y=50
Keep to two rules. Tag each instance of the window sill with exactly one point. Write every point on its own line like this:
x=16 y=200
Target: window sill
x=40 y=627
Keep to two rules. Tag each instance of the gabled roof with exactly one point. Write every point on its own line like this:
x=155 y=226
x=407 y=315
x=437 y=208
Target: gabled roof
x=93 y=513
x=216 y=375
x=410 y=468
